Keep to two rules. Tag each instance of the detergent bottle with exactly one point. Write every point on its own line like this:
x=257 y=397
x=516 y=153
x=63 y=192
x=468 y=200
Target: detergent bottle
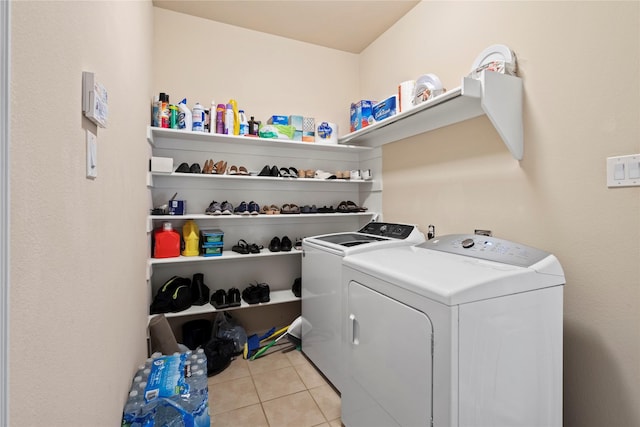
x=166 y=242
x=190 y=234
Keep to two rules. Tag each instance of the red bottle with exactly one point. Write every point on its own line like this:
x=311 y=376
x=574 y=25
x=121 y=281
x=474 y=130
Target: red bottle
x=166 y=242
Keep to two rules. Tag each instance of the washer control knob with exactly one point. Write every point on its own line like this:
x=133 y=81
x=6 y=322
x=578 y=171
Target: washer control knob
x=383 y=229
x=467 y=243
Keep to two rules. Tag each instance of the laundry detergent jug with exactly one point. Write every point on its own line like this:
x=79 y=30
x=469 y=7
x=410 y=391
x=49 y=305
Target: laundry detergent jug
x=190 y=234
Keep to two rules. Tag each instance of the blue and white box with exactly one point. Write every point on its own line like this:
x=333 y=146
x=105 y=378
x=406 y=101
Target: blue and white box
x=386 y=108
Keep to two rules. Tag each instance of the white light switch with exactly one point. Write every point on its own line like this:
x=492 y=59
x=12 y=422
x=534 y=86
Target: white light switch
x=92 y=155
x=623 y=171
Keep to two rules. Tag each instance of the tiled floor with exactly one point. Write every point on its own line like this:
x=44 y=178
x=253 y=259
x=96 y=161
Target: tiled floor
x=276 y=390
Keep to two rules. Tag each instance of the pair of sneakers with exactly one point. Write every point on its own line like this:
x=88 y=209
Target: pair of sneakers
x=277 y=245
x=254 y=294
x=217 y=208
x=222 y=299
x=244 y=208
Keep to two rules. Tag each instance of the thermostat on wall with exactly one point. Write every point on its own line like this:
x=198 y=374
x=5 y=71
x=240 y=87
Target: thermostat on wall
x=94 y=100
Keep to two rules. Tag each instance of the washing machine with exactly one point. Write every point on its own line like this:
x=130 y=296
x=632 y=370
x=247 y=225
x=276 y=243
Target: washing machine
x=321 y=287
x=462 y=330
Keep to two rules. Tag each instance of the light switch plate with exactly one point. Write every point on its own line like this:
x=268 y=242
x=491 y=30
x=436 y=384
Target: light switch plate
x=92 y=155
x=623 y=171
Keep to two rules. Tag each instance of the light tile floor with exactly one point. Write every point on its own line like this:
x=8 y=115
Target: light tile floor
x=276 y=390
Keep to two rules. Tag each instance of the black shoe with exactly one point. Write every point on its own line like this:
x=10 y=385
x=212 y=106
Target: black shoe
x=275 y=171
x=266 y=171
x=234 y=297
x=274 y=246
x=195 y=168
x=251 y=295
x=297 y=287
x=219 y=299
x=183 y=168
x=263 y=292
x=285 y=244
x=199 y=291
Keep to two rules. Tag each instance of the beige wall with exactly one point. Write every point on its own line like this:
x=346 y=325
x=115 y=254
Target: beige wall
x=265 y=74
x=580 y=65
x=78 y=300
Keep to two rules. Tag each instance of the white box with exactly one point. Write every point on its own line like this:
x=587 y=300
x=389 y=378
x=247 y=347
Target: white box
x=162 y=164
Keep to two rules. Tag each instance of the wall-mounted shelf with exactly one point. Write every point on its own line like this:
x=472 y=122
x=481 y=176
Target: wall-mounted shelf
x=257 y=178
x=498 y=96
x=188 y=140
x=226 y=256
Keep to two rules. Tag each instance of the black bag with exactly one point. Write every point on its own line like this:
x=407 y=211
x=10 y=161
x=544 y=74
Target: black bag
x=196 y=333
x=173 y=296
x=219 y=352
x=199 y=291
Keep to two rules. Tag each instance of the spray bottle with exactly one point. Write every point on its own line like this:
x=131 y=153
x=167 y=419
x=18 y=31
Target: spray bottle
x=229 y=120
x=220 y=111
x=213 y=117
x=164 y=110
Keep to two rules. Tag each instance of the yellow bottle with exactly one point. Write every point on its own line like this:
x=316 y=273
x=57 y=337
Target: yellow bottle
x=190 y=234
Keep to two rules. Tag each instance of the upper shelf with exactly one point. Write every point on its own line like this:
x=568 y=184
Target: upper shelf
x=496 y=95
x=166 y=138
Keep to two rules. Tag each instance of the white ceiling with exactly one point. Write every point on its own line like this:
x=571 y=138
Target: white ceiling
x=345 y=25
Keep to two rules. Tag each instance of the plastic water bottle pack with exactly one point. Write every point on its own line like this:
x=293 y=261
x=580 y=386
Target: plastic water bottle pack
x=169 y=391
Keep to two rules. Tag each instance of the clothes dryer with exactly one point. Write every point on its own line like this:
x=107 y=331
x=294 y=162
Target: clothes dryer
x=321 y=287
x=462 y=330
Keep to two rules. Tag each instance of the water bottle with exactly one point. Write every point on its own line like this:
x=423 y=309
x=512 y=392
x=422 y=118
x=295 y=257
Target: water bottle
x=198 y=118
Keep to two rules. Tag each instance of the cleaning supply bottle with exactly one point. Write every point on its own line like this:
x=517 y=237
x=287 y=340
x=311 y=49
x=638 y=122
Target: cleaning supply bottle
x=166 y=242
x=220 y=110
x=228 y=120
x=173 y=116
x=155 y=112
x=198 y=118
x=244 y=124
x=185 y=119
x=253 y=126
x=190 y=234
x=164 y=110
x=236 y=118
x=213 y=114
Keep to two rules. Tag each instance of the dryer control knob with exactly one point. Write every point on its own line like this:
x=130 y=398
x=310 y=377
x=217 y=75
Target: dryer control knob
x=467 y=243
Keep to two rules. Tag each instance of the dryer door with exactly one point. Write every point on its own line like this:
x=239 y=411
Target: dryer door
x=389 y=362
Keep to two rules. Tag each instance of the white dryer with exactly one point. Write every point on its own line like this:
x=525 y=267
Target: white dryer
x=322 y=305
x=462 y=330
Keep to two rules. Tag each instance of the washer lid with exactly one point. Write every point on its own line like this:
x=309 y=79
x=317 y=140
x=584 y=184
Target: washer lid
x=451 y=278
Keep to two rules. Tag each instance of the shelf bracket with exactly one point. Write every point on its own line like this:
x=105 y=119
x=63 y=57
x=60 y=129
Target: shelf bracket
x=502 y=103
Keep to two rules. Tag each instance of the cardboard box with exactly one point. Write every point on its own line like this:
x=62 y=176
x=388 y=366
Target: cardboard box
x=161 y=164
x=177 y=207
x=297 y=123
x=278 y=120
x=385 y=109
x=361 y=114
x=309 y=129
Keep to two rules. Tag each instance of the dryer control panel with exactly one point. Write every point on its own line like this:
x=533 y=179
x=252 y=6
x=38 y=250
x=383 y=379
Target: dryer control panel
x=385 y=229
x=487 y=248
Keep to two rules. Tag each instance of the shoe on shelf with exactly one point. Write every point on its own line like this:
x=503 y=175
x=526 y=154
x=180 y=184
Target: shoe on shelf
x=251 y=295
x=183 y=168
x=275 y=171
x=298 y=245
x=214 y=209
x=266 y=171
x=233 y=170
x=293 y=172
x=233 y=297
x=220 y=167
x=195 y=168
x=253 y=208
x=275 y=245
x=242 y=247
x=284 y=172
x=242 y=209
x=227 y=208
x=219 y=299
x=254 y=248
x=285 y=244
x=263 y=292
x=326 y=209
x=242 y=170
x=355 y=208
x=297 y=287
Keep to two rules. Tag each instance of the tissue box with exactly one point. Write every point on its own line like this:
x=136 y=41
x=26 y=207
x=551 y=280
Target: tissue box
x=161 y=164
x=177 y=207
x=309 y=129
x=297 y=123
x=361 y=114
x=278 y=120
x=386 y=108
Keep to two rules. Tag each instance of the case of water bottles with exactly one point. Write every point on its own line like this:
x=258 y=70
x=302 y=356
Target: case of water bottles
x=169 y=391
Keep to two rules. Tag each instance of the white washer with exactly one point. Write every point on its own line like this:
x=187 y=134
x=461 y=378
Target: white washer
x=322 y=292
x=462 y=330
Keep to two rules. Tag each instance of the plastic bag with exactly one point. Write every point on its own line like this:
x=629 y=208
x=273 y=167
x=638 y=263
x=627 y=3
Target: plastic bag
x=225 y=327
